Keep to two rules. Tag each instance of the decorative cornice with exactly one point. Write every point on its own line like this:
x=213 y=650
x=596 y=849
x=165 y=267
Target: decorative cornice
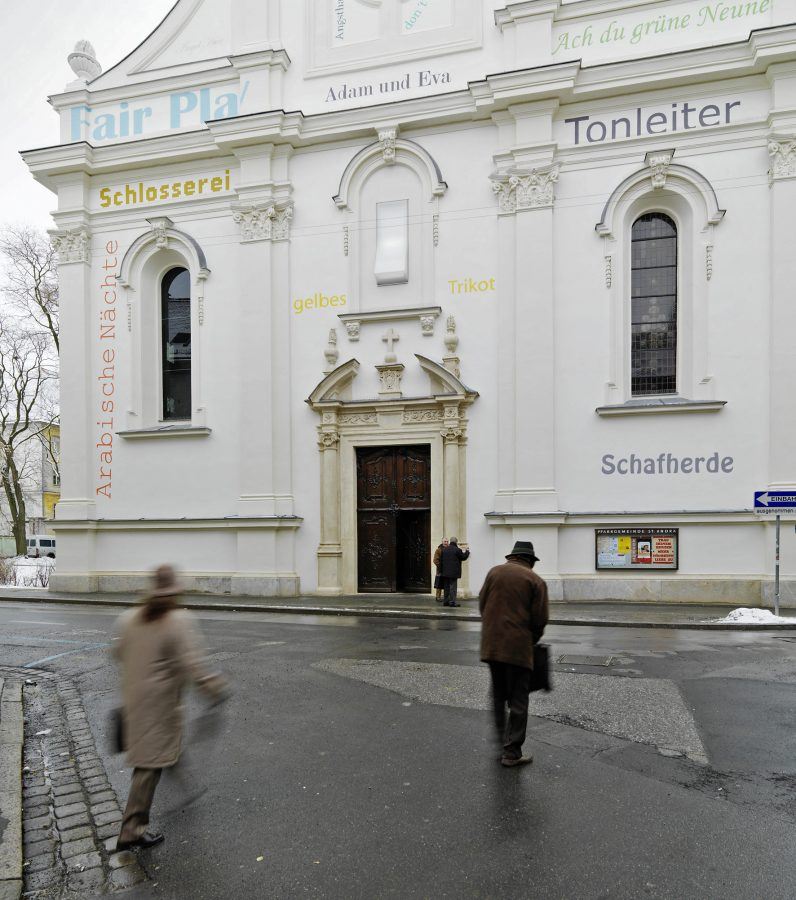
x=73 y=245
x=659 y=162
x=268 y=221
x=517 y=190
x=782 y=151
x=427 y=316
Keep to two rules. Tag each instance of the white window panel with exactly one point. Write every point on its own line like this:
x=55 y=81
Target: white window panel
x=392 y=242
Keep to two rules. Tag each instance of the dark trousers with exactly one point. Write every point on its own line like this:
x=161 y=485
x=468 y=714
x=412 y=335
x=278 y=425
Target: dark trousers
x=511 y=686
x=450 y=589
x=139 y=803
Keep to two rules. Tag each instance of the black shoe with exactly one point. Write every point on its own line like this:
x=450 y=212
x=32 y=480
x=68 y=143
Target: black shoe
x=454 y=604
x=511 y=761
x=146 y=840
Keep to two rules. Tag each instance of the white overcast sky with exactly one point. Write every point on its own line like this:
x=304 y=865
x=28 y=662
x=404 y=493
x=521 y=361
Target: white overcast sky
x=35 y=38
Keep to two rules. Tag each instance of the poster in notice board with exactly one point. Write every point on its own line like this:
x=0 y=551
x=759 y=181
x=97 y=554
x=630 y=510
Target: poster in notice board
x=636 y=548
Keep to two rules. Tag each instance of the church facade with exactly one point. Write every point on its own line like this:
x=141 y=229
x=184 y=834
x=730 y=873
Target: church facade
x=342 y=277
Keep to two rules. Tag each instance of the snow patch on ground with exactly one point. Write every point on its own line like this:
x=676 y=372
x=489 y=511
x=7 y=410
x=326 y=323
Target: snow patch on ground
x=754 y=616
x=20 y=571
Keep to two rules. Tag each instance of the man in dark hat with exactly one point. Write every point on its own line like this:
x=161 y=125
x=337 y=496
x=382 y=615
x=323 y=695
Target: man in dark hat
x=514 y=612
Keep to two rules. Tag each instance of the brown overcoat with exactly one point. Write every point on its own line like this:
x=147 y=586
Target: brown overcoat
x=157 y=660
x=514 y=612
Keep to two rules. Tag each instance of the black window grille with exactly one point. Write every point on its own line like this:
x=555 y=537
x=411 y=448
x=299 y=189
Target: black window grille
x=653 y=290
x=175 y=311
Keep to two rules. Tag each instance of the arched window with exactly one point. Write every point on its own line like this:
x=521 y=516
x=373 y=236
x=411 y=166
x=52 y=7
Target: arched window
x=175 y=316
x=653 y=291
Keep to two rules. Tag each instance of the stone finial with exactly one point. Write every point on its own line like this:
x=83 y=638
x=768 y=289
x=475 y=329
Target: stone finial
x=451 y=338
x=331 y=352
x=83 y=61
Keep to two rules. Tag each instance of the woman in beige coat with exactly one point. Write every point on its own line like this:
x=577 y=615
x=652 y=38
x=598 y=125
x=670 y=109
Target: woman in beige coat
x=158 y=651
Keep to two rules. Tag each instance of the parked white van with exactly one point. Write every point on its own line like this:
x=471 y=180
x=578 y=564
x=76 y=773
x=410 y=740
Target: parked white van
x=41 y=545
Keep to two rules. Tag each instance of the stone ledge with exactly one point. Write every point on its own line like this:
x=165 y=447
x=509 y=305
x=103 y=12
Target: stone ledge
x=660 y=405
x=165 y=431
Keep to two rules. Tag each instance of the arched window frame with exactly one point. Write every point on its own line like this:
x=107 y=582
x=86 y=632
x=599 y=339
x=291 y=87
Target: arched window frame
x=688 y=198
x=390 y=150
x=148 y=260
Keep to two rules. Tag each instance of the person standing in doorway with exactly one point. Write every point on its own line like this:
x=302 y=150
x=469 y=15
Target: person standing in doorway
x=439 y=584
x=514 y=611
x=158 y=653
x=451 y=559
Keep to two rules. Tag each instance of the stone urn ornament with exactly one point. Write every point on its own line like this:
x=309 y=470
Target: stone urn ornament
x=83 y=61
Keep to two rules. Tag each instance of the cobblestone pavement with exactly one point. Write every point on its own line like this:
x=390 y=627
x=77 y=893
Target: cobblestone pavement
x=71 y=814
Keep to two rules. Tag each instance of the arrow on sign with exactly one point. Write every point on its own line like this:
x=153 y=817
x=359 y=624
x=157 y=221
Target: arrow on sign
x=774 y=499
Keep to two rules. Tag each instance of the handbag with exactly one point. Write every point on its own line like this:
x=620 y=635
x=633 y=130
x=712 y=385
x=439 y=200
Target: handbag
x=540 y=676
x=117 y=730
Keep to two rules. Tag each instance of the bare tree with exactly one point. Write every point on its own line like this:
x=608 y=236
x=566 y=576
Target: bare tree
x=26 y=372
x=31 y=277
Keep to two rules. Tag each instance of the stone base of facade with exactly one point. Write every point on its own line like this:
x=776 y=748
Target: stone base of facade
x=570 y=589
x=724 y=591
x=249 y=585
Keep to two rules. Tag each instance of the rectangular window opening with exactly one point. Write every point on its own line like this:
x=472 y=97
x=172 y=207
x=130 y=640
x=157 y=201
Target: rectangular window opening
x=392 y=242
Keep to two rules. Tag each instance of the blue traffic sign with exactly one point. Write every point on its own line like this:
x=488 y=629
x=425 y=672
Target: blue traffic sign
x=775 y=500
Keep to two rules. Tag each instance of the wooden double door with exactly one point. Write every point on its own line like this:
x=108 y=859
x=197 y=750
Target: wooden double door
x=394 y=519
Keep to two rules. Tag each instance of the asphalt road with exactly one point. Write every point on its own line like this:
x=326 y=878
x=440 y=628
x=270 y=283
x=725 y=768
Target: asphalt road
x=355 y=760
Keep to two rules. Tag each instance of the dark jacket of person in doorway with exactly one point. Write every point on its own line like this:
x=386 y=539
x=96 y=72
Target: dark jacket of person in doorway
x=451 y=560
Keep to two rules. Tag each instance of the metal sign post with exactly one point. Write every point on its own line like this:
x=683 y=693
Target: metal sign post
x=776 y=573
x=777 y=503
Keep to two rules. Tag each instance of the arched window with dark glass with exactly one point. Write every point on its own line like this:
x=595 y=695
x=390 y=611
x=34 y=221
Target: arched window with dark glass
x=175 y=316
x=653 y=291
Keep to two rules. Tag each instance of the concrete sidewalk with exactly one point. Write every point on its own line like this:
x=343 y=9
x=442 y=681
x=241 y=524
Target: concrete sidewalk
x=11 y=733
x=423 y=606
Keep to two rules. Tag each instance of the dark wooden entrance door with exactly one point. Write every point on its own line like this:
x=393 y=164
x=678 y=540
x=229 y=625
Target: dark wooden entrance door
x=394 y=519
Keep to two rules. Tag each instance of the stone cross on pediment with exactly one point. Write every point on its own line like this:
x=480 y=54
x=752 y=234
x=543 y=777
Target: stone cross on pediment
x=390 y=339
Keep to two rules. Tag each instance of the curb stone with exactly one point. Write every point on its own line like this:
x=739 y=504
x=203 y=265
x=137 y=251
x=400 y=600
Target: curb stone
x=559 y=616
x=61 y=861
x=11 y=737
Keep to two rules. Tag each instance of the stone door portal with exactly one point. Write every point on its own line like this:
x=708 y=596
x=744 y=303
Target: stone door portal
x=394 y=519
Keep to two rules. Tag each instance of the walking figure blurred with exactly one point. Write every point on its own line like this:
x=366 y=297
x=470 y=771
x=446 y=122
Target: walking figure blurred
x=514 y=612
x=158 y=651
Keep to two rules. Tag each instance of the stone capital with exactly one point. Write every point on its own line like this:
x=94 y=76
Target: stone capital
x=328 y=440
x=518 y=190
x=73 y=245
x=265 y=221
x=782 y=151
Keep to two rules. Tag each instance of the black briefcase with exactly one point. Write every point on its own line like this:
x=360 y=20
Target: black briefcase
x=540 y=677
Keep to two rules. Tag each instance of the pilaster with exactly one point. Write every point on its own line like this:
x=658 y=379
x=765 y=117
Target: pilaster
x=263 y=213
x=72 y=243
x=782 y=439
x=527 y=338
